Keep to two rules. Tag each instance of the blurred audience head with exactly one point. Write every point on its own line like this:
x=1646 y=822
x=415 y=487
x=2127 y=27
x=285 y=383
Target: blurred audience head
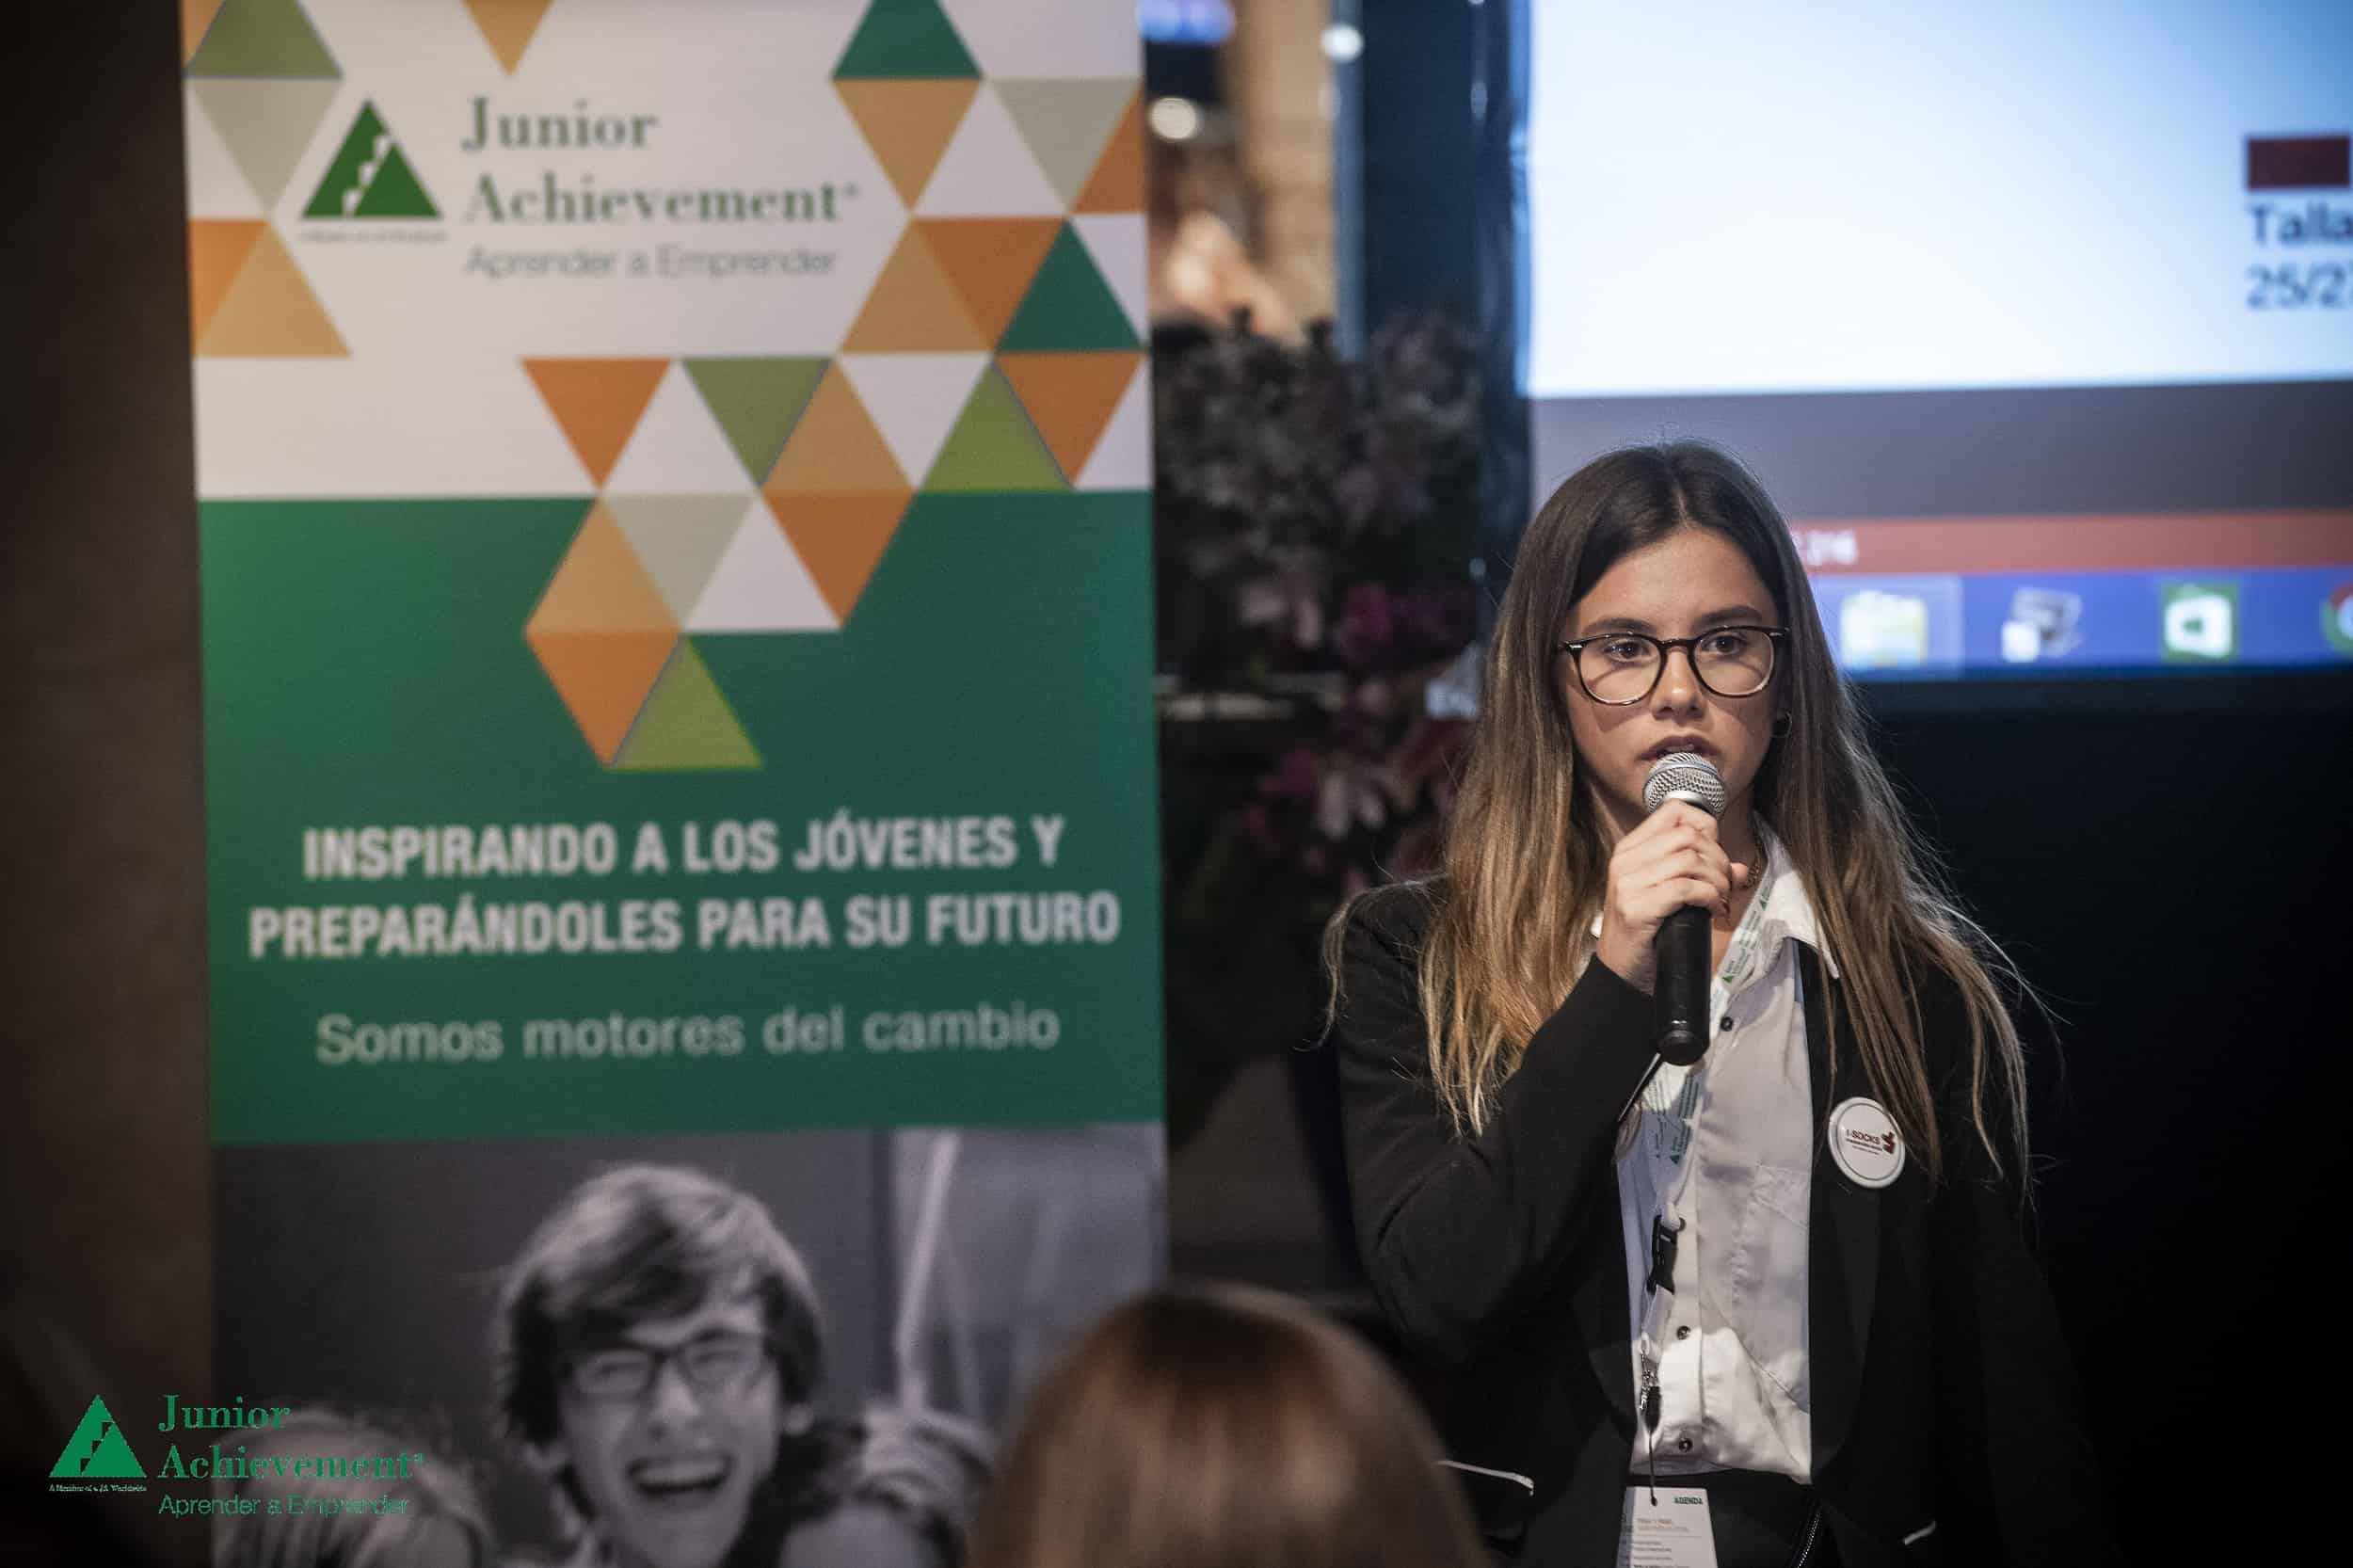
x=439 y=1523
x=658 y=1346
x=1223 y=1427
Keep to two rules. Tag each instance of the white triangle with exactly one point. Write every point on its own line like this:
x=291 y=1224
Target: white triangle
x=1115 y=240
x=914 y=399
x=1122 y=458
x=759 y=584
x=216 y=187
x=676 y=448
x=1096 y=39
x=987 y=170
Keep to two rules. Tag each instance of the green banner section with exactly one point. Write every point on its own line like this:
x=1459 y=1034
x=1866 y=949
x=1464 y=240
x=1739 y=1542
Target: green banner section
x=434 y=915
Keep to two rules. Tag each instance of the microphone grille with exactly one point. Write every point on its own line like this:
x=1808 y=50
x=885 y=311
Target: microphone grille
x=1686 y=775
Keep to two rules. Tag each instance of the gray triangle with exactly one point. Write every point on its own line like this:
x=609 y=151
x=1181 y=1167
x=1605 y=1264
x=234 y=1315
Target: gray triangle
x=266 y=124
x=679 y=539
x=1064 y=122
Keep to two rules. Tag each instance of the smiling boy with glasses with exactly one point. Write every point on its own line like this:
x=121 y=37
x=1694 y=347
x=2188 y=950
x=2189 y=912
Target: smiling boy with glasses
x=658 y=1347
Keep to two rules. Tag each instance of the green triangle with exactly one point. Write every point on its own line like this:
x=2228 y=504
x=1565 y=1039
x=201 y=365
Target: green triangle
x=387 y=185
x=905 y=38
x=994 y=446
x=96 y=1452
x=757 y=402
x=261 y=38
x=1069 y=308
x=685 y=724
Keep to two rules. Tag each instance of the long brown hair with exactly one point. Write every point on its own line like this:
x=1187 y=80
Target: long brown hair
x=1223 y=1427
x=1525 y=857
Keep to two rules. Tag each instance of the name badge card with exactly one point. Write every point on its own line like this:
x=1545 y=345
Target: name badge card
x=1666 y=1527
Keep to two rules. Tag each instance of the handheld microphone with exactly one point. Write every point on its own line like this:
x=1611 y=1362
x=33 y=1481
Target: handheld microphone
x=1679 y=996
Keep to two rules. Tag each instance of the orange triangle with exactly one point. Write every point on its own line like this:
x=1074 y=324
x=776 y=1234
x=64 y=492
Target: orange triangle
x=597 y=402
x=269 y=311
x=601 y=586
x=990 y=261
x=913 y=309
x=1117 y=183
x=840 y=538
x=507 y=26
x=834 y=449
x=1069 y=397
x=218 y=246
x=908 y=123
x=603 y=678
x=196 y=20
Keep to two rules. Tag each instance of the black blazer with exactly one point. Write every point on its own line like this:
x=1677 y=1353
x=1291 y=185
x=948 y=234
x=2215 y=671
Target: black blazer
x=1941 y=1390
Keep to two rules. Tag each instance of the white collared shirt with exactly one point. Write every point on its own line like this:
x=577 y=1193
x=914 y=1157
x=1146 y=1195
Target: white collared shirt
x=1724 y=1150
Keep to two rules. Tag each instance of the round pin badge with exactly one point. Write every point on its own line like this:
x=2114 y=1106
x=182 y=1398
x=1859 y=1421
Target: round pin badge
x=1864 y=1143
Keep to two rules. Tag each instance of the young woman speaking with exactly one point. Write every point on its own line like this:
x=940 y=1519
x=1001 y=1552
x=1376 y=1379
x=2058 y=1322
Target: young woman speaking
x=1777 y=1306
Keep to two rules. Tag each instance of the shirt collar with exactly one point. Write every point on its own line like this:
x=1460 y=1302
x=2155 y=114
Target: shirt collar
x=1789 y=915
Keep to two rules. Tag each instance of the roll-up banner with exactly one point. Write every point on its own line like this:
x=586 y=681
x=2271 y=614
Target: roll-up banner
x=684 y=924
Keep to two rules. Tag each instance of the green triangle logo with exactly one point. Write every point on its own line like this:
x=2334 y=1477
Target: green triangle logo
x=994 y=446
x=261 y=38
x=904 y=38
x=96 y=1452
x=685 y=724
x=370 y=177
x=1069 y=308
x=757 y=402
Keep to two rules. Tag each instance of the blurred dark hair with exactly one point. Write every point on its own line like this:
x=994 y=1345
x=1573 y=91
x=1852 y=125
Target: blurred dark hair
x=443 y=1525
x=1223 y=1427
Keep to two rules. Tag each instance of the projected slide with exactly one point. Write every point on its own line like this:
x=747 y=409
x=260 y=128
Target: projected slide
x=1835 y=197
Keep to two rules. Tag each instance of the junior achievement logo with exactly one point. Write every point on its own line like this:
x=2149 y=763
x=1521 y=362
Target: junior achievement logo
x=98 y=1458
x=371 y=177
x=97 y=1451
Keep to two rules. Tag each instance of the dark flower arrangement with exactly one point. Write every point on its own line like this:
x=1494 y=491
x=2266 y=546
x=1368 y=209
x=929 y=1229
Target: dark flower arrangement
x=1313 y=521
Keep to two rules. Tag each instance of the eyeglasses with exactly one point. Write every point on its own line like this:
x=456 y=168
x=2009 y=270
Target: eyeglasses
x=714 y=1362
x=1621 y=668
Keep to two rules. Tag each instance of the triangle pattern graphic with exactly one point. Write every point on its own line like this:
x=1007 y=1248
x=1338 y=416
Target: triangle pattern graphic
x=196 y=19
x=508 y=26
x=261 y=38
x=836 y=448
x=1117 y=183
x=266 y=124
x=757 y=402
x=994 y=446
x=915 y=398
x=840 y=538
x=1116 y=242
x=601 y=586
x=596 y=402
x=1123 y=453
x=686 y=723
x=677 y=447
x=913 y=308
x=96 y=1452
x=907 y=122
x=216 y=251
x=269 y=311
x=1070 y=398
x=759 y=584
x=370 y=177
x=987 y=170
x=601 y=678
x=1069 y=308
x=216 y=187
x=1064 y=122
x=679 y=540
x=989 y=261
x=905 y=38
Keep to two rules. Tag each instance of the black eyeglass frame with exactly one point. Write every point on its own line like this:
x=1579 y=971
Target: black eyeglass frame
x=659 y=1356
x=1666 y=646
